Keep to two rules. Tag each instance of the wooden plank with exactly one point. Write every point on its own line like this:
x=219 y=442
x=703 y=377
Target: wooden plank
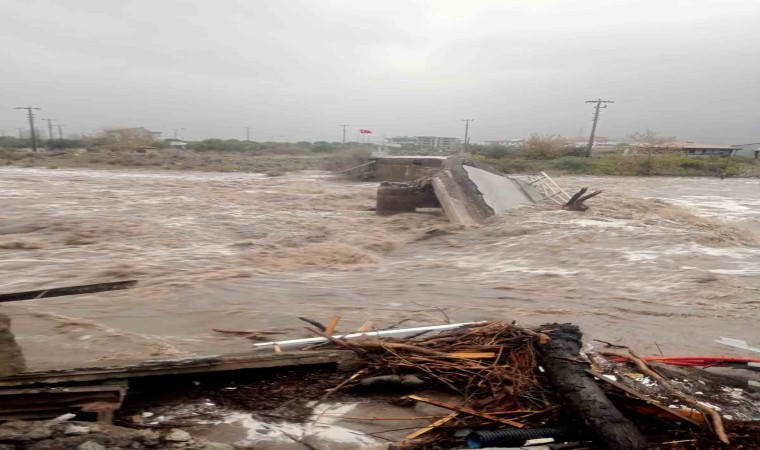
x=179 y=366
x=366 y=327
x=332 y=325
x=69 y=290
x=677 y=415
x=432 y=426
x=468 y=411
x=49 y=402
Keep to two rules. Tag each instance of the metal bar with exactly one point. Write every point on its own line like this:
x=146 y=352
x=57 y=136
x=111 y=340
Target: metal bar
x=551 y=180
x=377 y=334
x=70 y=290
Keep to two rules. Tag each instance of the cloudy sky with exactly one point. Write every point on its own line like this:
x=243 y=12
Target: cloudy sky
x=296 y=69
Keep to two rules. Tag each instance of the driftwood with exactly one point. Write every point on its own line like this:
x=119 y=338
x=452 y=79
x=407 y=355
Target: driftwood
x=644 y=367
x=576 y=201
x=582 y=395
x=316 y=323
x=68 y=290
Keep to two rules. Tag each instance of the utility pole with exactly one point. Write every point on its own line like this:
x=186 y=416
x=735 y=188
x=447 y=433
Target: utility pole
x=599 y=106
x=344 y=131
x=467 y=133
x=176 y=133
x=20 y=133
x=60 y=130
x=30 y=115
x=248 y=134
x=50 y=128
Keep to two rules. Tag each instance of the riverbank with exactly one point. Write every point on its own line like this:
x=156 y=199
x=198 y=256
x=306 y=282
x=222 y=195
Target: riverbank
x=656 y=165
x=277 y=164
x=166 y=159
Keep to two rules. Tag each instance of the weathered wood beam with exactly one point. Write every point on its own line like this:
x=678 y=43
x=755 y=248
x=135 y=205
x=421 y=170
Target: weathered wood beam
x=69 y=290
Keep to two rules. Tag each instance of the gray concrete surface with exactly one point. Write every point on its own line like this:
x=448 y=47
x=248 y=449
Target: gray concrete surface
x=11 y=358
x=499 y=192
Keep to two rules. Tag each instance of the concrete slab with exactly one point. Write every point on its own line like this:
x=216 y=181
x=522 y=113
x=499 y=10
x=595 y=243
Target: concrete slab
x=499 y=192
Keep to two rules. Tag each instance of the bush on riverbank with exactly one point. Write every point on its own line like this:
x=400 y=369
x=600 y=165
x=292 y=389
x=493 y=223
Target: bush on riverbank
x=671 y=165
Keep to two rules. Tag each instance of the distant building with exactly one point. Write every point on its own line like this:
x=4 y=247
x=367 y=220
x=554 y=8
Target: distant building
x=505 y=142
x=443 y=143
x=599 y=141
x=429 y=142
x=697 y=149
x=694 y=149
x=140 y=132
x=748 y=150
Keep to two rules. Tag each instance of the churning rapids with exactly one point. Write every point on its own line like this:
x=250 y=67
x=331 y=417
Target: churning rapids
x=668 y=261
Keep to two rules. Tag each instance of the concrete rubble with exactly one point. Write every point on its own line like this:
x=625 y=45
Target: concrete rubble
x=467 y=192
x=48 y=435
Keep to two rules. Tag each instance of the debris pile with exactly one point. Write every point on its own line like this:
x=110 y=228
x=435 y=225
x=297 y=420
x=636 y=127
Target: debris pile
x=516 y=384
x=491 y=365
x=62 y=434
x=477 y=384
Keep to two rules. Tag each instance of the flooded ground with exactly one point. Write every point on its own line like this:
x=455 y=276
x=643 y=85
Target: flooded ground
x=668 y=262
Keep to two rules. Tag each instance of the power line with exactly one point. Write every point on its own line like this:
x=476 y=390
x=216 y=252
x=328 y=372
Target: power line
x=30 y=115
x=598 y=106
x=344 y=131
x=50 y=128
x=467 y=133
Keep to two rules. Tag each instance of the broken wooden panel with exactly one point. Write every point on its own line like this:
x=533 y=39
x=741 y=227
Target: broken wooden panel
x=178 y=366
x=48 y=402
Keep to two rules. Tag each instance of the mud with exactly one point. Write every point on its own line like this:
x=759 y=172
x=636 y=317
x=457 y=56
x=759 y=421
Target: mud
x=671 y=261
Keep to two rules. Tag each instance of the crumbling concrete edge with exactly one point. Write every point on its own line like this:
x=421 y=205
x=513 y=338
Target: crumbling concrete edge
x=458 y=195
x=11 y=357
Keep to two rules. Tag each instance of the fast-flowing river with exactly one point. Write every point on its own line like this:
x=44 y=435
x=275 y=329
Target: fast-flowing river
x=672 y=263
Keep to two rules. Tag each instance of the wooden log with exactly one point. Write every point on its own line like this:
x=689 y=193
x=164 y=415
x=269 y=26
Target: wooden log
x=581 y=395
x=68 y=290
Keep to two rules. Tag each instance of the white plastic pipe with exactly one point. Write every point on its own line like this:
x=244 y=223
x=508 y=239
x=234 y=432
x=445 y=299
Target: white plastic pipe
x=397 y=332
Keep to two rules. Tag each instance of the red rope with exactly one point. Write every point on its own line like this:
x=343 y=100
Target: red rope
x=695 y=360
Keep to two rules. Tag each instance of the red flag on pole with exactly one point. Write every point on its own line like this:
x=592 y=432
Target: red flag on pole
x=363 y=131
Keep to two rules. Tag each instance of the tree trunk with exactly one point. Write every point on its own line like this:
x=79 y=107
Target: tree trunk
x=582 y=395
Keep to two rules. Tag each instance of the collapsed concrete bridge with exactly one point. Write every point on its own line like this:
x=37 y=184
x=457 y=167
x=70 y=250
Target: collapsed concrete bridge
x=467 y=191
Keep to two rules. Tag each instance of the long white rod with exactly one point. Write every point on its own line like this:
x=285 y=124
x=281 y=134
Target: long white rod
x=400 y=331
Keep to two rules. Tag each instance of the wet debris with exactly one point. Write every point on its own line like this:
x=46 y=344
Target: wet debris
x=66 y=435
x=480 y=384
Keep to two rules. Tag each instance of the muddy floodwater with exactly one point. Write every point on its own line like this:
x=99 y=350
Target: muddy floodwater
x=668 y=262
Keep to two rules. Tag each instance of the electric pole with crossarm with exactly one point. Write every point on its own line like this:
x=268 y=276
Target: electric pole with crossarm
x=50 y=128
x=599 y=105
x=467 y=133
x=30 y=115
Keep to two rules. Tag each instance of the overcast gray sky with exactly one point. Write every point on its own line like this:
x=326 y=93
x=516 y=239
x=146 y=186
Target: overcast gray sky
x=296 y=69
